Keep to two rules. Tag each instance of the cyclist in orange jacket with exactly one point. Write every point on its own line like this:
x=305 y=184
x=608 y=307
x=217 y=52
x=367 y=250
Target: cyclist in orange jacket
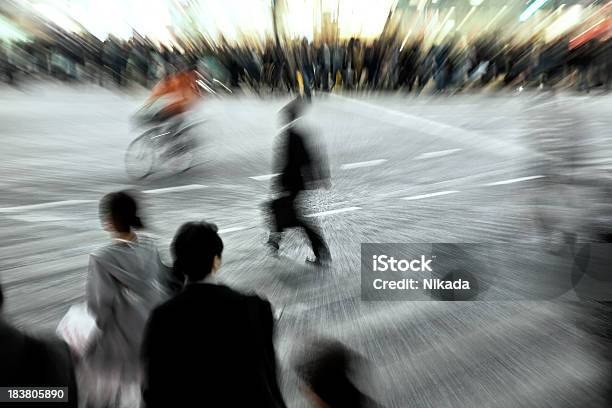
x=180 y=90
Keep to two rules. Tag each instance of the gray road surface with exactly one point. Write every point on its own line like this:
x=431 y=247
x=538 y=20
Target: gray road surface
x=463 y=162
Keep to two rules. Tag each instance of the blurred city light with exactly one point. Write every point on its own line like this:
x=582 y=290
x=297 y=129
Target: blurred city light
x=467 y=16
x=10 y=32
x=496 y=17
x=530 y=11
x=565 y=22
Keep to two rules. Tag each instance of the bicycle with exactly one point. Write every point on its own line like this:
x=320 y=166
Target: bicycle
x=161 y=146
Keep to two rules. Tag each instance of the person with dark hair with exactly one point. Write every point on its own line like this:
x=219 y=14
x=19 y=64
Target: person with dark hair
x=26 y=361
x=123 y=286
x=209 y=345
x=300 y=169
x=325 y=369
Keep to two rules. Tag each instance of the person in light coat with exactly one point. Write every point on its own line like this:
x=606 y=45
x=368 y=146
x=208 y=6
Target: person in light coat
x=126 y=280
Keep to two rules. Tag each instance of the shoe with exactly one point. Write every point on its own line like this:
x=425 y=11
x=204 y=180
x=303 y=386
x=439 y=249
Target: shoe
x=319 y=262
x=273 y=248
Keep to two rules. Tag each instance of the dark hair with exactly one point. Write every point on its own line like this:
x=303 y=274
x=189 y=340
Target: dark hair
x=326 y=367
x=121 y=208
x=194 y=248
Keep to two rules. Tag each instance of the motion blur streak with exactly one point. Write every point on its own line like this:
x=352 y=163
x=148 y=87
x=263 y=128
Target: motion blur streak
x=447 y=121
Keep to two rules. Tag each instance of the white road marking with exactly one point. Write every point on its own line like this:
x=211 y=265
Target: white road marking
x=440 y=153
x=515 y=180
x=339 y=210
x=44 y=205
x=54 y=204
x=474 y=138
x=265 y=177
x=439 y=193
x=233 y=229
x=296 y=308
x=175 y=189
x=443 y=183
x=356 y=165
x=37 y=218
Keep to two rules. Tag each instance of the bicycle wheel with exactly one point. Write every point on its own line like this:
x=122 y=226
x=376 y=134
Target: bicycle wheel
x=140 y=156
x=187 y=151
x=181 y=156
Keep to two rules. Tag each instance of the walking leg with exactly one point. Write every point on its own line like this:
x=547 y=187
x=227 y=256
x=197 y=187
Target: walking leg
x=317 y=243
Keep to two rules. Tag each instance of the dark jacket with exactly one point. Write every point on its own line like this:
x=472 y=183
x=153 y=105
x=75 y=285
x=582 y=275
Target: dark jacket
x=210 y=346
x=297 y=163
x=26 y=361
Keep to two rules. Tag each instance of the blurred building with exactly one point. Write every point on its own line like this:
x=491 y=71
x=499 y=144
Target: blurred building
x=239 y=21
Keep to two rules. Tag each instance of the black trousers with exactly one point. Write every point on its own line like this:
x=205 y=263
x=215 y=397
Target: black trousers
x=285 y=215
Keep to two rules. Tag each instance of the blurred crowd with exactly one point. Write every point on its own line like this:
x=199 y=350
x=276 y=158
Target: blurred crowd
x=387 y=63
